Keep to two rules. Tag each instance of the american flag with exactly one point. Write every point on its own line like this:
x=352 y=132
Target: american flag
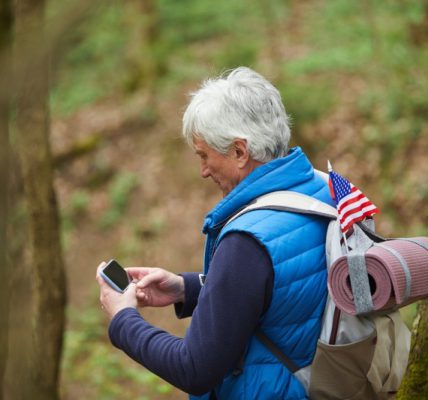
x=352 y=205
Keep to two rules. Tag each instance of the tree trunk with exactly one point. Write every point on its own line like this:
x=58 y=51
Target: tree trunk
x=5 y=40
x=4 y=267
x=48 y=291
x=415 y=383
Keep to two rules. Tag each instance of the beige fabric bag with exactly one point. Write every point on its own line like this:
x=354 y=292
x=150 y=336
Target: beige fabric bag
x=371 y=368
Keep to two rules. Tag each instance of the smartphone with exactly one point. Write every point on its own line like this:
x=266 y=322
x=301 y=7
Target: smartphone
x=114 y=274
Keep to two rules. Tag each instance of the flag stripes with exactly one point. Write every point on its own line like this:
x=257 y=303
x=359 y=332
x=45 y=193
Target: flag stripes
x=352 y=205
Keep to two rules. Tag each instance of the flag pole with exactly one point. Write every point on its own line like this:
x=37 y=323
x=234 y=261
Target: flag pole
x=330 y=169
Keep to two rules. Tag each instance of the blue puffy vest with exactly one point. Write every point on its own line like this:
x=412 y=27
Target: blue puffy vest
x=296 y=245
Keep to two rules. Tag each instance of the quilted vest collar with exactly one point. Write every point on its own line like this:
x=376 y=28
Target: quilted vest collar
x=279 y=174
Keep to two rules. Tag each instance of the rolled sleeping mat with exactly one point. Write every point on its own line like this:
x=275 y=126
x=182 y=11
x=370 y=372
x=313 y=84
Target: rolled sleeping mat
x=397 y=270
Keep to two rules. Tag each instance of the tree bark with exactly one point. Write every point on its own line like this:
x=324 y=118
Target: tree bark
x=48 y=290
x=5 y=75
x=415 y=383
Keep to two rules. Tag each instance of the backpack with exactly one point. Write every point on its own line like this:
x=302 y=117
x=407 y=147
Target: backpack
x=357 y=356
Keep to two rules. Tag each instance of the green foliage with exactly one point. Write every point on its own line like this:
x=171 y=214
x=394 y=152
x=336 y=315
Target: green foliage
x=107 y=55
x=408 y=313
x=306 y=100
x=121 y=188
x=120 y=191
x=77 y=205
x=189 y=21
x=367 y=39
x=97 y=369
x=129 y=247
x=89 y=71
x=75 y=208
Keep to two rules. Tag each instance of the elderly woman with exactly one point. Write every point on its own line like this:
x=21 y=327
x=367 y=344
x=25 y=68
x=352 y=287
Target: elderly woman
x=263 y=272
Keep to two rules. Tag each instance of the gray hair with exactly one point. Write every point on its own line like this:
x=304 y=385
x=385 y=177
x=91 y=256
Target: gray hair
x=241 y=104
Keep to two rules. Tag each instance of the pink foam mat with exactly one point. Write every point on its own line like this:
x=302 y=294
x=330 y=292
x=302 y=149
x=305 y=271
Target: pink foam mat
x=386 y=274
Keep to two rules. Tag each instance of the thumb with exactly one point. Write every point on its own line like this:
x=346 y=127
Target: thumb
x=100 y=267
x=131 y=290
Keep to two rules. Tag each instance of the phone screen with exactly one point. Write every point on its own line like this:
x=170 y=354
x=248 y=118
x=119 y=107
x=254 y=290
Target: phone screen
x=114 y=271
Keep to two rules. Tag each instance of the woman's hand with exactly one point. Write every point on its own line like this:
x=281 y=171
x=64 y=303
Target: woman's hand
x=157 y=287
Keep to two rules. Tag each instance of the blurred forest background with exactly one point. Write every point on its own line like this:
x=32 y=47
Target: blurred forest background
x=353 y=77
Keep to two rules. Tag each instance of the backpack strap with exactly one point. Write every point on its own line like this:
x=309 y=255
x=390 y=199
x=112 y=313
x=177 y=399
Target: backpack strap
x=335 y=326
x=285 y=200
x=297 y=203
x=374 y=237
x=277 y=352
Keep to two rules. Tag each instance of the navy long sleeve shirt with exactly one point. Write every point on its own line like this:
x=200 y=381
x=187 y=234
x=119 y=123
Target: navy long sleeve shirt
x=225 y=312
